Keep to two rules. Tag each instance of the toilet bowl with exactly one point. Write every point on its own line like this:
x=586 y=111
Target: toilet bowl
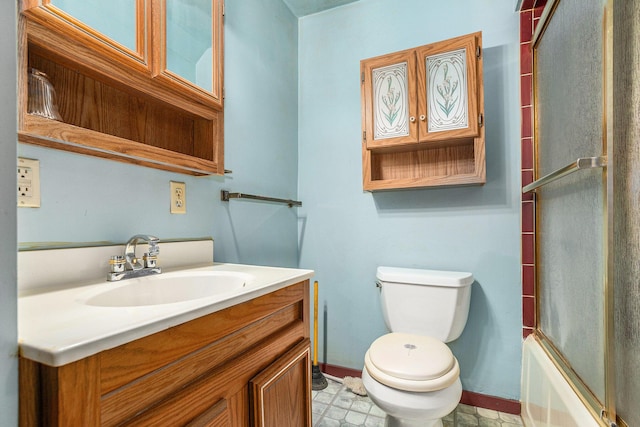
x=410 y=409
x=413 y=378
x=411 y=373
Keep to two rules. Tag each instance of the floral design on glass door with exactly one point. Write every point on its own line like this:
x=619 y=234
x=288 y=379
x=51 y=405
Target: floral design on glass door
x=390 y=101
x=447 y=107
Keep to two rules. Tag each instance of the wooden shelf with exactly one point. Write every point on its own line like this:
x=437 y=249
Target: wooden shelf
x=426 y=166
x=52 y=134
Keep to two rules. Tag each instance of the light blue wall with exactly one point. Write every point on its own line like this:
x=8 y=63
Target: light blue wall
x=293 y=115
x=261 y=140
x=86 y=199
x=346 y=233
x=8 y=258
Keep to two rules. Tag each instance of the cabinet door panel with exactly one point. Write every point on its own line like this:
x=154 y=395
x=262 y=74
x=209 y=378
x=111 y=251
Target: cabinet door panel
x=448 y=89
x=115 y=19
x=190 y=50
x=115 y=28
x=189 y=42
x=281 y=394
x=389 y=100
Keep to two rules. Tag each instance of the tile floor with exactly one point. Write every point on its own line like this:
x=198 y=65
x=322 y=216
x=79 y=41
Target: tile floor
x=336 y=406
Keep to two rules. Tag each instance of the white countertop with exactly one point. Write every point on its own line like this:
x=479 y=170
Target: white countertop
x=57 y=327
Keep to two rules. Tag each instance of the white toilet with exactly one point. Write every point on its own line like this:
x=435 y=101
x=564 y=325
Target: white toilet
x=410 y=373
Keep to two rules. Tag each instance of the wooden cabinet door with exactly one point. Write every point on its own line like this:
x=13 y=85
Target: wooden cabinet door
x=449 y=86
x=281 y=394
x=389 y=104
x=117 y=29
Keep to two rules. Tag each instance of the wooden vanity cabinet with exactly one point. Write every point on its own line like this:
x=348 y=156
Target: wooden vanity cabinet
x=115 y=98
x=247 y=365
x=422 y=116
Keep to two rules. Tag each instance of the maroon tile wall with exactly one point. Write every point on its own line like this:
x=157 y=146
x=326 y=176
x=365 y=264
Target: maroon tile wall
x=530 y=13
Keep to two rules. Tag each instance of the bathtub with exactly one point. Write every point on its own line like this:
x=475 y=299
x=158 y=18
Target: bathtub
x=547 y=398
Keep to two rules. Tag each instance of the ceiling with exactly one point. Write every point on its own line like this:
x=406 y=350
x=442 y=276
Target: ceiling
x=307 y=7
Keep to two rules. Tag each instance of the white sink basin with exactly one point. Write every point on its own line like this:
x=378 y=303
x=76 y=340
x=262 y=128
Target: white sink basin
x=168 y=288
x=69 y=323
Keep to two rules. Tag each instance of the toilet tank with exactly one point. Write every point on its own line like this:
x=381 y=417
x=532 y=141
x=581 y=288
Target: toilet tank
x=425 y=302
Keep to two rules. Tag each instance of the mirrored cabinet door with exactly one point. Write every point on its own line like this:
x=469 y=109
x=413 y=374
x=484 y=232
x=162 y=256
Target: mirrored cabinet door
x=191 y=50
x=116 y=26
x=189 y=42
x=116 y=19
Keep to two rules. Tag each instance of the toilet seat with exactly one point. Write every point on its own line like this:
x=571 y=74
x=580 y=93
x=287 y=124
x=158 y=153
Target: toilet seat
x=412 y=362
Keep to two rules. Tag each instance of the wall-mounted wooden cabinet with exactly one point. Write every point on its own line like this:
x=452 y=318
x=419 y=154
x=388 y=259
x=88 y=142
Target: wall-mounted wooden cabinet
x=422 y=116
x=116 y=92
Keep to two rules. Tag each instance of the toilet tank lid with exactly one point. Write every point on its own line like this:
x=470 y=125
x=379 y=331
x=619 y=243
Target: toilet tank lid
x=417 y=276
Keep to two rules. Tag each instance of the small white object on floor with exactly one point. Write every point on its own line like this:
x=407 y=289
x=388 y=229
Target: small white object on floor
x=355 y=385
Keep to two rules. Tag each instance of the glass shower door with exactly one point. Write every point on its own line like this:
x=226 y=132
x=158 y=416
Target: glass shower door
x=572 y=220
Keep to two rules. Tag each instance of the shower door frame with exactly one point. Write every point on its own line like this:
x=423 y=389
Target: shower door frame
x=604 y=412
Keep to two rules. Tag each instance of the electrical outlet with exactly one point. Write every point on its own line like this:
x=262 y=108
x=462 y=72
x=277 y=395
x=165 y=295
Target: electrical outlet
x=28 y=183
x=178 y=197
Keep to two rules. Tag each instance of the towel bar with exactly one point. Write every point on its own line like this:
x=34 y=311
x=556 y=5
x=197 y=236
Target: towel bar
x=225 y=196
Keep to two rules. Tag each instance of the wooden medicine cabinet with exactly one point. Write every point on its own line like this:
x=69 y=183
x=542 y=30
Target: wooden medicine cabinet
x=422 y=116
x=119 y=90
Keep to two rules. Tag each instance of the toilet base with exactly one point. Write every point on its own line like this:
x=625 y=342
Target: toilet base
x=396 y=422
x=409 y=409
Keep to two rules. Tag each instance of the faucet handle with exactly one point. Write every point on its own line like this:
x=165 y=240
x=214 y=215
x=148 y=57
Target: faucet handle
x=154 y=248
x=116 y=264
x=150 y=260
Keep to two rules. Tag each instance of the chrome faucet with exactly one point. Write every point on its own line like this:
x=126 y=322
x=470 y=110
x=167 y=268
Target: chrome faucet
x=128 y=266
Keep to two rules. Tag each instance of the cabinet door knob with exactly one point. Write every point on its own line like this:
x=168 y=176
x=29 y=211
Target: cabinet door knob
x=412 y=119
x=422 y=117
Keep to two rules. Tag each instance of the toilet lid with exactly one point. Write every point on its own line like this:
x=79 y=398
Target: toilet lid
x=412 y=362
x=411 y=357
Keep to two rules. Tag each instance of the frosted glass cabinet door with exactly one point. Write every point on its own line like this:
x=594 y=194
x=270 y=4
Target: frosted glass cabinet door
x=449 y=88
x=118 y=25
x=191 y=48
x=389 y=102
